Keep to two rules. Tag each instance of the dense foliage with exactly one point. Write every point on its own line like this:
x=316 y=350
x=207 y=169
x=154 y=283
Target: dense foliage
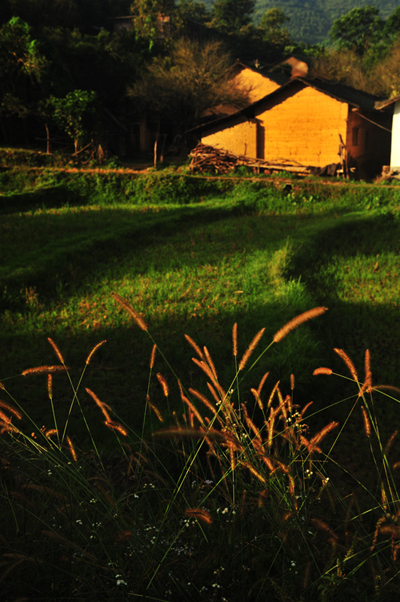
x=311 y=20
x=54 y=56
x=78 y=76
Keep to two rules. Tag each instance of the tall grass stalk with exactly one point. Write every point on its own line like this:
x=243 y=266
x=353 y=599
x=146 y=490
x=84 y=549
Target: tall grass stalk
x=233 y=498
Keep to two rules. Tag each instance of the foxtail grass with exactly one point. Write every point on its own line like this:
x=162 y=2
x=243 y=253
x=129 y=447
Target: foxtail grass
x=240 y=494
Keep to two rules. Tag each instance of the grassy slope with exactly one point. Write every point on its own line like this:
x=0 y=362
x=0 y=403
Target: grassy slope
x=256 y=256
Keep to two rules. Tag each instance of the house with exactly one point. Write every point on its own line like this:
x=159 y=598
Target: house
x=392 y=106
x=292 y=66
x=310 y=123
x=257 y=81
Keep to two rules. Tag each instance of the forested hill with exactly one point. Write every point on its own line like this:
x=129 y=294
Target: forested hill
x=311 y=20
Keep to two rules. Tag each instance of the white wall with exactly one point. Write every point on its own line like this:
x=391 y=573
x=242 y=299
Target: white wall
x=395 y=151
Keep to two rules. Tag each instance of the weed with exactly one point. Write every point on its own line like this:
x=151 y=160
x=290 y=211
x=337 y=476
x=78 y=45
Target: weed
x=234 y=498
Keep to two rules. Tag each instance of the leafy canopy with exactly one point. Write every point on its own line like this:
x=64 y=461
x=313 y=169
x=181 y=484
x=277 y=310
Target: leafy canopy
x=358 y=29
x=271 y=26
x=21 y=68
x=232 y=16
x=73 y=114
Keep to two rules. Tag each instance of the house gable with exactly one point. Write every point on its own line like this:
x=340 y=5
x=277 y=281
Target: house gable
x=258 y=83
x=302 y=125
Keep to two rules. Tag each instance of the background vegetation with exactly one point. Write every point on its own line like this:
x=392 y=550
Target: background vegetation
x=71 y=81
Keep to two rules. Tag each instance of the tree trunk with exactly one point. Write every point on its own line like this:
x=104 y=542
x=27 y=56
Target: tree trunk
x=47 y=138
x=155 y=153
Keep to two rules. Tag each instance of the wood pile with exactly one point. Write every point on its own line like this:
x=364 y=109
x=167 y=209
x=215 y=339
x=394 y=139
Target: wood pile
x=207 y=159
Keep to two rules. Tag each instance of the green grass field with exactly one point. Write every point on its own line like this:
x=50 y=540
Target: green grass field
x=194 y=256
x=252 y=255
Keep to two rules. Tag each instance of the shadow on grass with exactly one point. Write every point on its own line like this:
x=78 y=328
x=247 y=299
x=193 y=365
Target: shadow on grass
x=354 y=268
x=33 y=200
x=42 y=249
x=80 y=249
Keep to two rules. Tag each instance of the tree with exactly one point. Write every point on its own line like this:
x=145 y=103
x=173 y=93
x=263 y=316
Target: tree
x=190 y=10
x=344 y=66
x=358 y=29
x=271 y=27
x=392 y=25
x=73 y=114
x=177 y=90
x=22 y=66
x=232 y=16
x=385 y=77
x=81 y=14
x=146 y=18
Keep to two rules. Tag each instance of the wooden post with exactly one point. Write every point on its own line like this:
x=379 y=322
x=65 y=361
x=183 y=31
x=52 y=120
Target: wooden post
x=155 y=154
x=47 y=138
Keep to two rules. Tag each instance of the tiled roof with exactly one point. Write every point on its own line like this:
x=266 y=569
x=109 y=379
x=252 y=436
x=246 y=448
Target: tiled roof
x=356 y=98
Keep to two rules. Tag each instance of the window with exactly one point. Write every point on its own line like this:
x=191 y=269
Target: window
x=355 y=136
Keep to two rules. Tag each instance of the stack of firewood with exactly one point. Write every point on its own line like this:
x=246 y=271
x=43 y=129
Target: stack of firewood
x=207 y=159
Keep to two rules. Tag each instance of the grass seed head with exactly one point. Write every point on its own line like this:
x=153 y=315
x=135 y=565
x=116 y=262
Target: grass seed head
x=155 y=409
x=262 y=382
x=72 y=449
x=367 y=424
x=56 y=350
x=304 y=317
x=50 y=386
x=254 y=471
x=210 y=363
x=385 y=388
x=368 y=374
x=116 y=426
x=163 y=384
x=258 y=399
x=45 y=370
x=195 y=346
x=234 y=339
x=326 y=371
x=132 y=312
x=321 y=435
x=342 y=354
x=50 y=433
x=6 y=419
x=250 y=349
x=103 y=406
x=153 y=356
x=190 y=433
x=271 y=397
x=390 y=442
x=11 y=409
x=95 y=348
x=199 y=514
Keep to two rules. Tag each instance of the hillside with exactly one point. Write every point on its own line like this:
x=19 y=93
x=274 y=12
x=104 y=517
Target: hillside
x=311 y=20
